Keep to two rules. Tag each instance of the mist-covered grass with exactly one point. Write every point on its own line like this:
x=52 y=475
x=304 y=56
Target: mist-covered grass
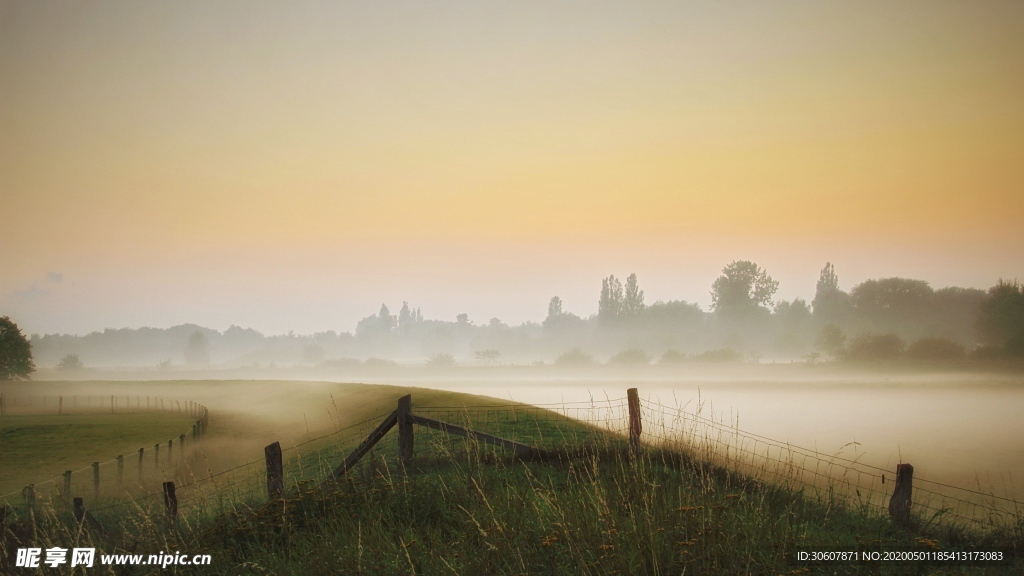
x=590 y=507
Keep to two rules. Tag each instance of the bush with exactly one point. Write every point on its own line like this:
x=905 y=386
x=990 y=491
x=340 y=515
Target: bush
x=441 y=359
x=936 y=349
x=722 y=355
x=876 y=347
x=630 y=356
x=574 y=357
x=70 y=363
x=672 y=357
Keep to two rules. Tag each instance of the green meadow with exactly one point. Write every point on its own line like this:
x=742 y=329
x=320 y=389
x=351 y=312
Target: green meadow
x=37 y=448
x=584 y=504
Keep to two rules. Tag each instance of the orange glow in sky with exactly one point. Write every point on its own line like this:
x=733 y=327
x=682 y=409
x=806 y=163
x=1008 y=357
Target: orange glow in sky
x=291 y=166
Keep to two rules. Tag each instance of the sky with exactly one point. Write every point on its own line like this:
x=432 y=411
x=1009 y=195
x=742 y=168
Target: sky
x=293 y=165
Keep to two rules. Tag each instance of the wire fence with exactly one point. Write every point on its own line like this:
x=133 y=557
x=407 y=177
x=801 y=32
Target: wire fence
x=825 y=477
x=115 y=479
x=828 y=478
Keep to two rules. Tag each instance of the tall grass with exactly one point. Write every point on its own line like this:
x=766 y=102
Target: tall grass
x=585 y=504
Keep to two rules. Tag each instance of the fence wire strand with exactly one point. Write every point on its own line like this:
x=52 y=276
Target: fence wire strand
x=560 y=425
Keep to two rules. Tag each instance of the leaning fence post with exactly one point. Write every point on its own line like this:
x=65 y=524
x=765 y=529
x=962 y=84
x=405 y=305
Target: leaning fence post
x=170 y=502
x=635 y=427
x=899 y=504
x=170 y=446
x=67 y=486
x=275 y=471
x=405 y=438
x=156 y=456
x=141 y=451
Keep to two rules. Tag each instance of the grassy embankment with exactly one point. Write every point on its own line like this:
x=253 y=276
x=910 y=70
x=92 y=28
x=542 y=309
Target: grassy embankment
x=461 y=508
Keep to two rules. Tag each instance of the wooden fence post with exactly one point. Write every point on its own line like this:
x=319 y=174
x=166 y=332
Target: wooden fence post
x=141 y=451
x=30 y=499
x=156 y=457
x=96 y=480
x=79 y=510
x=67 y=486
x=170 y=446
x=170 y=502
x=899 y=504
x=635 y=426
x=120 y=469
x=275 y=471
x=181 y=447
x=405 y=438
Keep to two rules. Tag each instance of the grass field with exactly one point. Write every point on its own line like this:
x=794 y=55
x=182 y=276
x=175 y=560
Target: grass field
x=40 y=447
x=462 y=507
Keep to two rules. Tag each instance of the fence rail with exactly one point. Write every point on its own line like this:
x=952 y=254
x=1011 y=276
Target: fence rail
x=521 y=429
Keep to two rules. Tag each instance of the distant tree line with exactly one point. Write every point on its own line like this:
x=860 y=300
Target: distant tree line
x=878 y=319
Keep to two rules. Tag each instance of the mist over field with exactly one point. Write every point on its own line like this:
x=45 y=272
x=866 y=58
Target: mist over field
x=796 y=225
x=889 y=319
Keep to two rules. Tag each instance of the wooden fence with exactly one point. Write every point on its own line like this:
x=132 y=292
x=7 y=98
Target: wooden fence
x=175 y=447
x=796 y=466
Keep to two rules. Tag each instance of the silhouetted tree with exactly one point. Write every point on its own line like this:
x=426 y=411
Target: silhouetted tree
x=609 y=307
x=70 y=363
x=673 y=315
x=830 y=305
x=893 y=304
x=197 y=350
x=831 y=340
x=633 y=299
x=954 y=312
x=405 y=318
x=792 y=315
x=313 y=353
x=743 y=288
x=376 y=325
x=488 y=356
x=15 y=352
x=385 y=321
x=1000 y=321
x=554 y=308
x=558 y=321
